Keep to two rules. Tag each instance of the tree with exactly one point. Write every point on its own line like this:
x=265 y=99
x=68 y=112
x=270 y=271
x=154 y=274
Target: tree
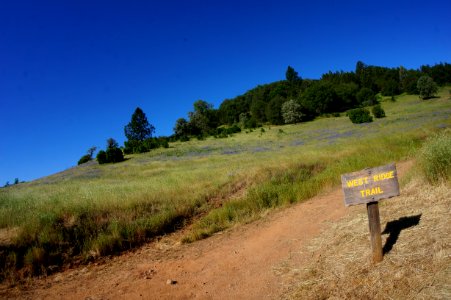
x=291 y=75
x=273 y=110
x=366 y=97
x=16 y=181
x=426 y=87
x=111 y=143
x=291 y=112
x=113 y=153
x=91 y=151
x=139 y=128
x=346 y=93
x=87 y=157
x=320 y=98
x=389 y=87
x=203 y=119
x=84 y=159
x=182 y=129
x=202 y=107
x=408 y=80
x=258 y=110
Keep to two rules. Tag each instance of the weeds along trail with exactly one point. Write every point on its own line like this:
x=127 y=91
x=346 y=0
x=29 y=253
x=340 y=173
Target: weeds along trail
x=246 y=262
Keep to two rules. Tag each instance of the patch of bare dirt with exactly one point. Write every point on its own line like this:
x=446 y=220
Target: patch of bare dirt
x=242 y=263
x=7 y=235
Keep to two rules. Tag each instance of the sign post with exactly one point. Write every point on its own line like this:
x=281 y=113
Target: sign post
x=368 y=187
x=375 y=230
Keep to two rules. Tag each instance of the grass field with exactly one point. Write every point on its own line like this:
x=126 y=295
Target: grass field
x=94 y=210
x=416 y=239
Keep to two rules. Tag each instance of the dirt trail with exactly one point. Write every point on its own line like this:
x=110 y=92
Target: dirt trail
x=242 y=263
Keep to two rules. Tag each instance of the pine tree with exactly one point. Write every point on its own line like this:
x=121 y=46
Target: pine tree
x=139 y=128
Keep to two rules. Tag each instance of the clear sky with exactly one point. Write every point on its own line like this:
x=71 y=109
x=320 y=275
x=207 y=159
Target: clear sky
x=73 y=72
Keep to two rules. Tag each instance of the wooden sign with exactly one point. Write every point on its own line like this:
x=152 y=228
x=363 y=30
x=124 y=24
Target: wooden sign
x=370 y=185
x=367 y=187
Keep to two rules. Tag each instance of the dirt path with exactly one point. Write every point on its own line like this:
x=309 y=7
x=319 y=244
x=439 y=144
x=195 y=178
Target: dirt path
x=242 y=263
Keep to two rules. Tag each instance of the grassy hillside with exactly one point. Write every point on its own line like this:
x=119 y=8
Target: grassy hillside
x=93 y=210
x=416 y=239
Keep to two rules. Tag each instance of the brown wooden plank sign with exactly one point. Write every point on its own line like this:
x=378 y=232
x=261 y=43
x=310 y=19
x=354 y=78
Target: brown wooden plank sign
x=367 y=187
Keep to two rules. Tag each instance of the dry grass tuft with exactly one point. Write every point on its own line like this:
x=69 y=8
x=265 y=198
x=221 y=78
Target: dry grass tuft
x=417 y=262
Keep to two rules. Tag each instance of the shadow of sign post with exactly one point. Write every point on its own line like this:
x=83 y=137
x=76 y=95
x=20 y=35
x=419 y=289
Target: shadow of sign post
x=394 y=228
x=368 y=186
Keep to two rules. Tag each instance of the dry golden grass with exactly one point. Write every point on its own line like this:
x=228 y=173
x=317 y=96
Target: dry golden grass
x=417 y=264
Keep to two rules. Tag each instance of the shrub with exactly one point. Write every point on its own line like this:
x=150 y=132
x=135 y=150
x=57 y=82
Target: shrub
x=101 y=157
x=291 y=112
x=84 y=159
x=435 y=157
x=114 y=155
x=378 y=111
x=233 y=129
x=223 y=134
x=164 y=144
x=184 y=138
x=88 y=156
x=135 y=146
x=251 y=123
x=132 y=146
x=426 y=87
x=366 y=97
x=149 y=144
x=360 y=115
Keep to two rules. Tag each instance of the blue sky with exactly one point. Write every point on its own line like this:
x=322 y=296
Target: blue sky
x=72 y=72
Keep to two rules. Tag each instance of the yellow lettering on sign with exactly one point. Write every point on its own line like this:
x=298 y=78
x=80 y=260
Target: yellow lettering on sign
x=357 y=182
x=371 y=192
x=383 y=176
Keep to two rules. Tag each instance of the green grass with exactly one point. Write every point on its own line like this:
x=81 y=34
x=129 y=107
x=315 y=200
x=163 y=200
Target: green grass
x=435 y=157
x=94 y=210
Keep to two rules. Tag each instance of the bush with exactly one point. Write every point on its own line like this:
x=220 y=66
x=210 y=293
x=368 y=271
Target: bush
x=84 y=159
x=132 y=146
x=164 y=144
x=366 y=97
x=101 y=157
x=114 y=155
x=360 y=115
x=149 y=144
x=251 y=123
x=184 y=138
x=378 y=111
x=426 y=87
x=233 y=129
x=221 y=133
x=435 y=157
